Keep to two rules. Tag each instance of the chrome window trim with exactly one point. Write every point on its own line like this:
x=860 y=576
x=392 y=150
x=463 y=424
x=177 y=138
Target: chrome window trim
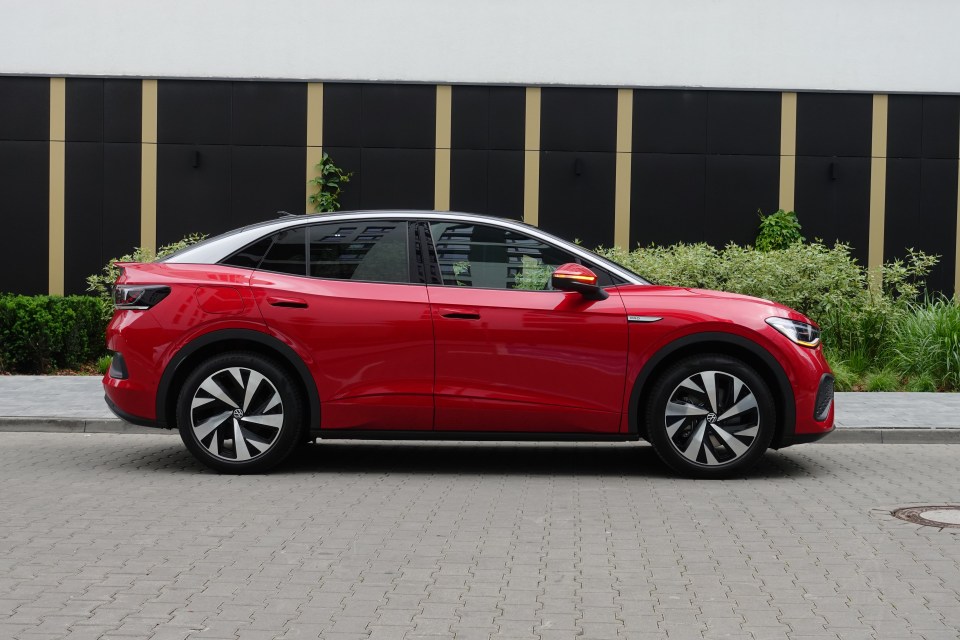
x=222 y=247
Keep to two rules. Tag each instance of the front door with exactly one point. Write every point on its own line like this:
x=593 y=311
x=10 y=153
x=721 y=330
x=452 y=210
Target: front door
x=512 y=355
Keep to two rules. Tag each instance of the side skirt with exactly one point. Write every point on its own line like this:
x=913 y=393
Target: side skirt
x=366 y=434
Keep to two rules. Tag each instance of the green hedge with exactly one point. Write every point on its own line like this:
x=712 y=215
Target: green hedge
x=41 y=333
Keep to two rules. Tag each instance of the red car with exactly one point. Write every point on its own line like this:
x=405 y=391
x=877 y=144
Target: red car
x=424 y=325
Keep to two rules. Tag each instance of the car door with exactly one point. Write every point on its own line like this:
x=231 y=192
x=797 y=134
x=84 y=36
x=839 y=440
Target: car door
x=511 y=354
x=343 y=294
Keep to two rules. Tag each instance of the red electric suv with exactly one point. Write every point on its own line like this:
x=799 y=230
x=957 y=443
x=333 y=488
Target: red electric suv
x=425 y=325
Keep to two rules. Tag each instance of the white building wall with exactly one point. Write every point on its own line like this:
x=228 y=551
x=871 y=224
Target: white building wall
x=847 y=45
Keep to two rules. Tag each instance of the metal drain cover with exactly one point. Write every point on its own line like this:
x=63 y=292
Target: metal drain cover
x=932 y=516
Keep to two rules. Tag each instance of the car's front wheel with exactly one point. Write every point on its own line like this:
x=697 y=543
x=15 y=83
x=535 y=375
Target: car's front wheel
x=240 y=412
x=710 y=416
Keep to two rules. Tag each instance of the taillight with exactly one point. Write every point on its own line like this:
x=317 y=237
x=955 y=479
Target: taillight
x=138 y=296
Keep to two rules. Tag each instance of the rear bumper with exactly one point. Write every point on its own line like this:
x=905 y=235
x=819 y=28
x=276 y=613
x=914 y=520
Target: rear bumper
x=127 y=417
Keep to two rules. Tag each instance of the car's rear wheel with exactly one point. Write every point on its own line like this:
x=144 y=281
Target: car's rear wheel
x=710 y=416
x=240 y=412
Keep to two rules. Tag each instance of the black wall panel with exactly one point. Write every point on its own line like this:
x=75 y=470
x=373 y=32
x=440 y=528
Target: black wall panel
x=668 y=121
x=84 y=110
x=342 y=115
x=121 y=199
x=743 y=122
x=399 y=116
x=83 y=213
x=265 y=180
x=24 y=183
x=122 y=110
x=834 y=124
x=919 y=192
x=489 y=182
x=192 y=198
x=834 y=203
x=397 y=178
x=736 y=187
x=937 y=228
x=578 y=119
x=348 y=159
x=941 y=126
x=487 y=117
x=904 y=126
x=667 y=198
x=24 y=108
x=577 y=195
x=269 y=113
x=194 y=111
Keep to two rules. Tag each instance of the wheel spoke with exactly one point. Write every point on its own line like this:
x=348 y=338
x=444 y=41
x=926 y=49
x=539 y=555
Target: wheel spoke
x=239 y=444
x=210 y=386
x=737 y=447
x=696 y=441
x=274 y=420
x=693 y=386
x=260 y=444
x=749 y=402
x=274 y=401
x=253 y=383
x=199 y=402
x=710 y=385
x=672 y=429
x=207 y=427
x=675 y=409
x=751 y=432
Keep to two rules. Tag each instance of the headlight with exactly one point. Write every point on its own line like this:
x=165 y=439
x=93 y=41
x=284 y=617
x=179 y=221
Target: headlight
x=802 y=333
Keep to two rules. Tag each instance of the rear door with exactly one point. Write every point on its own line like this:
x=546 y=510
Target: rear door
x=512 y=355
x=348 y=295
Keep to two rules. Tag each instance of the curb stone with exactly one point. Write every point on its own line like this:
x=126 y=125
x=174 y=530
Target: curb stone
x=842 y=435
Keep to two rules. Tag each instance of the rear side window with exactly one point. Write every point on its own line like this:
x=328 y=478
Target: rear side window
x=368 y=250
x=288 y=253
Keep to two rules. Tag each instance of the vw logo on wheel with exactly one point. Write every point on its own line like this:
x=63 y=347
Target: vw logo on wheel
x=711 y=417
x=238 y=413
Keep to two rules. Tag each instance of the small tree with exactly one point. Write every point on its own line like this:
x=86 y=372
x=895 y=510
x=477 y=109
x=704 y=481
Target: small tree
x=778 y=230
x=329 y=179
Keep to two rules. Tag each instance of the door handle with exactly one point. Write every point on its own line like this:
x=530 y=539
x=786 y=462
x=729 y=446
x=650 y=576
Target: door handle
x=293 y=303
x=460 y=314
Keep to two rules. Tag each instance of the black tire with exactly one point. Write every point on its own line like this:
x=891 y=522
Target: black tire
x=205 y=412
x=694 y=438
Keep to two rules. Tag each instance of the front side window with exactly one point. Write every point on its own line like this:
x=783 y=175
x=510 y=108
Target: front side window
x=488 y=257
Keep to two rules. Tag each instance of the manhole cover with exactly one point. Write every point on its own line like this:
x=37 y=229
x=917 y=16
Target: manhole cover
x=933 y=516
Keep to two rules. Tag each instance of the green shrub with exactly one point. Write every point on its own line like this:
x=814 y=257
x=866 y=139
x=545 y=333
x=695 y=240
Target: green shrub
x=103 y=364
x=882 y=380
x=858 y=322
x=102 y=283
x=921 y=383
x=926 y=342
x=778 y=230
x=41 y=333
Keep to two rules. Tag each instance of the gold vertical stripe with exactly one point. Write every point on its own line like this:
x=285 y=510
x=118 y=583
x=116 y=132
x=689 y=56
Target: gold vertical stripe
x=441 y=182
x=148 y=167
x=788 y=150
x=621 y=205
x=878 y=188
x=314 y=137
x=58 y=125
x=531 y=158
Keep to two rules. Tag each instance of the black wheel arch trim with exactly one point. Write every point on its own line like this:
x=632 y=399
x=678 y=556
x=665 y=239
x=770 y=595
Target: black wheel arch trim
x=288 y=354
x=784 y=389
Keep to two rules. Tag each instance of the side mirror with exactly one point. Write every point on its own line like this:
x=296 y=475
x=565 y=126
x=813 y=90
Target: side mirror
x=576 y=277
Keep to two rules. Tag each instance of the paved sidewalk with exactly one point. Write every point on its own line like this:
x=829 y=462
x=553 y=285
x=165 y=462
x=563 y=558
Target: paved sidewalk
x=75 y=403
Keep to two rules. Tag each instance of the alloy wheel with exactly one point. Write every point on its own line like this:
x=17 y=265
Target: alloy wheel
x=712 y=418
x=236 y=414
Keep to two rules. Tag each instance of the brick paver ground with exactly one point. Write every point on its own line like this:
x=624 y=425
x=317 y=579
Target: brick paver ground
x=125 y=536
